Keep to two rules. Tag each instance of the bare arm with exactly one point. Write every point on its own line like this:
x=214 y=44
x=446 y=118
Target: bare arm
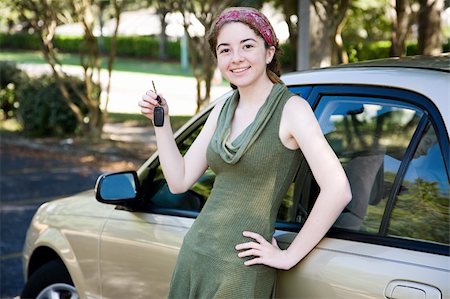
x=180 y=172
x=335 y=191
x=302 y=129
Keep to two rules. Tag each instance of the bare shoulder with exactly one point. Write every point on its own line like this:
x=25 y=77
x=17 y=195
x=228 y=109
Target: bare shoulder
x=215 y=112
x=217 y=108
x=297 y=108
x=211 y=122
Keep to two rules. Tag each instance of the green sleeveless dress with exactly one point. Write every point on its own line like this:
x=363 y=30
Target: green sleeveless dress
x=253 y=173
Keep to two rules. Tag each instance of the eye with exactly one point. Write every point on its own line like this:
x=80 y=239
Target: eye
x=248 y=46
x=224 y=50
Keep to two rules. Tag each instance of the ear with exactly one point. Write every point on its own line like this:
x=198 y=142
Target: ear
x=269 y=54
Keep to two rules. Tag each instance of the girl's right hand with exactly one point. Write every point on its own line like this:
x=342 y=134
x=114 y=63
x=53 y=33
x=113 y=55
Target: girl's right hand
x=149 y=102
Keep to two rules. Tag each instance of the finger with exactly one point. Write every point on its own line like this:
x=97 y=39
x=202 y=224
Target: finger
x=149 y=96
x=151 y=93
x=275 y=243
x=163 y=100
x=248 y=245
x=251 y=252
x=145 y=104
x=150 y=100
x=147 y=111
x=254 y=261
x=146 y=108
x=255 y=236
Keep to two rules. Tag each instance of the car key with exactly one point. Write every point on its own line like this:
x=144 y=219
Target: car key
x=158 y=112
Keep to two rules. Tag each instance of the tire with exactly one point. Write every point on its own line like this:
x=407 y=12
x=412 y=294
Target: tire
x=51 y=280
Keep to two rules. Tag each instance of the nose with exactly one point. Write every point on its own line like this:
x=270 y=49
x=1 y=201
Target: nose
x=237 y=57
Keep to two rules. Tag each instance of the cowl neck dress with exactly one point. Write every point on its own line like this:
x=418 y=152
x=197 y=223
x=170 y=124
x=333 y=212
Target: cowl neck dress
x=253 y=173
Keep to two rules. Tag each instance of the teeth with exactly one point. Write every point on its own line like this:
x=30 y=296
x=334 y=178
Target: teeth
x=239 y=70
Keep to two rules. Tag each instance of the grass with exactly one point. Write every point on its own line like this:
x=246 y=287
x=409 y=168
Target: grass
x=120 y=64
x=11 y=125
x=139 y=120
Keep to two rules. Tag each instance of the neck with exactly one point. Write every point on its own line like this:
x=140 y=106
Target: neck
x=256 y=93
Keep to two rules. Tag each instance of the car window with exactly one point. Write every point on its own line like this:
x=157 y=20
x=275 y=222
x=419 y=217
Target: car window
x=421 y=209
x=193 y=199
x=370 y=137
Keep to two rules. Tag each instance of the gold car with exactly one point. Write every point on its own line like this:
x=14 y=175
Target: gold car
x=388 y=123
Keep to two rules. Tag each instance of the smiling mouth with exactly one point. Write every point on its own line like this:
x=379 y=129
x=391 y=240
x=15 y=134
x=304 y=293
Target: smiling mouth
x=239 y=70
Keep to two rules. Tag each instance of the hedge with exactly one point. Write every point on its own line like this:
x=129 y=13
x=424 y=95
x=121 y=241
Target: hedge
x=127 y=46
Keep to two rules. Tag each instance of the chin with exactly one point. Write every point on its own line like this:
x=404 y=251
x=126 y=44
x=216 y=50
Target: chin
x=240 y=83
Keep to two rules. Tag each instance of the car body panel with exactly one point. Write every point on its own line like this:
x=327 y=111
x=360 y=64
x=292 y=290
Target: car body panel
x=136 y=247
x=357 y=270
x=72 y=227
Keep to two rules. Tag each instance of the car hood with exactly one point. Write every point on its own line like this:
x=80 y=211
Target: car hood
x=81 y=204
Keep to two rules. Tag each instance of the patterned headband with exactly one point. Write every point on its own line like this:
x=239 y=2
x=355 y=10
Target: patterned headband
x=252 y=17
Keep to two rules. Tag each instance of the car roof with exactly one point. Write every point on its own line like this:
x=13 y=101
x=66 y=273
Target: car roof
x=437 y=63
x=429 y=76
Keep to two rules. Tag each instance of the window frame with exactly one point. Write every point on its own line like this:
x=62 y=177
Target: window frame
x=430 y=114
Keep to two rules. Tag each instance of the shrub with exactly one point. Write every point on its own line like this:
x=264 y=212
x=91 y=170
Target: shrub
x=127 y=46
x=20 y=41
x=43 y=111
x=287 y=58
x=11 y=78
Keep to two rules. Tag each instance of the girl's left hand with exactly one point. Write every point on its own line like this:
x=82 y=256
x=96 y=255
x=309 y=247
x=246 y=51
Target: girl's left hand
x=263 y=252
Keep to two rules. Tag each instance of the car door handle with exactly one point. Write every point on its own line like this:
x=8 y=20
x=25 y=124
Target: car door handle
x=402 y=289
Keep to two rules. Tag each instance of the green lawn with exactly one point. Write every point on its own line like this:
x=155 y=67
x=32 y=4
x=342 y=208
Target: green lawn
x=139 y=120
x=120 y=64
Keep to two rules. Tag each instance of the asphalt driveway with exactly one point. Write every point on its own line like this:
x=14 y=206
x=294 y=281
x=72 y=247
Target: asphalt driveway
x=30 y=176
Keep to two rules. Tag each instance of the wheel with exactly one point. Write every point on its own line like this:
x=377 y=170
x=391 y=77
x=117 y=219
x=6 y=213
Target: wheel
x=51 y=280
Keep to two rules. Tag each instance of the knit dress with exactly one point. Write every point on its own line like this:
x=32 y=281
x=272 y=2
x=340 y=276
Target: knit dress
x=253 y=173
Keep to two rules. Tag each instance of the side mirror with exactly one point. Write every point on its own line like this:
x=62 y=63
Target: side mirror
x=117 y=188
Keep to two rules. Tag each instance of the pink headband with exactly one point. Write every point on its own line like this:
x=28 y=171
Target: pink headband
x=249 y=16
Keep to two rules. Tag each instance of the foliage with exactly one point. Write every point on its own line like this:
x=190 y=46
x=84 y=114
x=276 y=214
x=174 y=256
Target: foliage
x=19 y=40
x=127 y=46
x=43 y=17
x=11 y=77
x=367 y=21
x=43 y=111
x=288 y=57
x=421 y=212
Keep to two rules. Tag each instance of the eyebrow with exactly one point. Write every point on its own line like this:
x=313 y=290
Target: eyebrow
x=242 y=41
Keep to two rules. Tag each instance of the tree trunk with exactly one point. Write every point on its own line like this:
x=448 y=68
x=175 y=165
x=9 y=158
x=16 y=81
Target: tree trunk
x=402 y=16
x=339 y=54
x=162 y=36
x=429 y=21
x=201 y=59
x=289 y=9
x=118 y=6
x=326 y=17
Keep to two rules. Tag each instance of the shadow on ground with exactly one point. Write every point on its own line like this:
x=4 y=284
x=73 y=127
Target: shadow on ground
x=34 y=171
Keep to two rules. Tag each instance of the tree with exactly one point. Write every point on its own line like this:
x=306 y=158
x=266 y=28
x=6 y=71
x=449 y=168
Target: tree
x=289 y=10
x=202 y=61
x=162 y=9
x=429 y=27
x=327 y=19
x=44 y=16
x=403 y=15
x=427 y=15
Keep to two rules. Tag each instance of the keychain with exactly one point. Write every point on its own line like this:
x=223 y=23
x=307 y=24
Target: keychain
x=158 y=112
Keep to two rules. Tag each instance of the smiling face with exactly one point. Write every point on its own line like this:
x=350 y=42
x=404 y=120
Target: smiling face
x=242 y=56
